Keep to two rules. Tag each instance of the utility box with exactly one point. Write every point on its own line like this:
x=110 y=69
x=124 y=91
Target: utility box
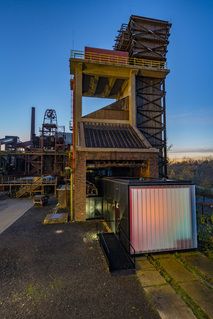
x=63 y=196
x=40 y=200
x=155 y=215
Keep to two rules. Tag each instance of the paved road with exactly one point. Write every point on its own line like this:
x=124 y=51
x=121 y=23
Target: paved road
x=11 y=210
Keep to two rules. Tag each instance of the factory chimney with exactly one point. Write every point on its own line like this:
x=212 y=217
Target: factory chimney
x=32 y=132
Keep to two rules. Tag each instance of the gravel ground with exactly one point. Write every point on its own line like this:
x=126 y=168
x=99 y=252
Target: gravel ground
x=59 y=271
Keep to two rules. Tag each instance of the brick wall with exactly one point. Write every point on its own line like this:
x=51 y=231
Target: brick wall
x=79 y=193
x=151 y=157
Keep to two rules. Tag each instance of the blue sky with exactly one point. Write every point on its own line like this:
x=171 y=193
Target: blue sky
x=36 y=37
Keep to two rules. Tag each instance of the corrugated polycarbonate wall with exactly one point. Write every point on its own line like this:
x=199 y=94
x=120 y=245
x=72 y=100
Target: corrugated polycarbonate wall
x=162 y=218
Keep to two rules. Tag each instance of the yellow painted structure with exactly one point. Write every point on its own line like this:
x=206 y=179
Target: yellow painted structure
x=56 y=218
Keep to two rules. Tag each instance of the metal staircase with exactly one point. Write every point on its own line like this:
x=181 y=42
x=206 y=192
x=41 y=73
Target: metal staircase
x=30 y=188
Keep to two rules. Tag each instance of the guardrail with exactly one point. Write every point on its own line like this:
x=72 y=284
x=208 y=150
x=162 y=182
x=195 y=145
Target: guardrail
x=117 y=60
x=7 y=180
x=124 y=237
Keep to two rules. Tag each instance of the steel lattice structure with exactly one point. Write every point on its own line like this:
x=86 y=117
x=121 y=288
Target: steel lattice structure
x=148 y=38
x=151 y=115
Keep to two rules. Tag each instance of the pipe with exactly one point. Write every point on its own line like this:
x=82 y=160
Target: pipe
x=32 y=132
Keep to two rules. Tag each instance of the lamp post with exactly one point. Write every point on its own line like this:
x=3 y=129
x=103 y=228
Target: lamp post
x=70 y=177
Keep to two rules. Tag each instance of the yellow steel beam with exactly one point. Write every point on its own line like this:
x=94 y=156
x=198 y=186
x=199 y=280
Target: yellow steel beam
x=160 y=74
x=92 y=85
x=106 y=70
x=123 y=88
x=109 y=86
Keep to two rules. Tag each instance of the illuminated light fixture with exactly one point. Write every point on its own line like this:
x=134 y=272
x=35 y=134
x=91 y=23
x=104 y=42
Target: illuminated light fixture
x=90 y=236
x=59 y=231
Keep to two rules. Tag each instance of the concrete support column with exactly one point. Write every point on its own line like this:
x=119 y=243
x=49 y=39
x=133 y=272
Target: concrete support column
x=78 y=163
x=79 y=194
x=77 y=111
x=132 y=98
x=153 y=163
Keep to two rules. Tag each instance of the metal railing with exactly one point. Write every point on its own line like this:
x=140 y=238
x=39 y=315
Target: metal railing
x=117 y=60
x=6 y=180
x=131 y=250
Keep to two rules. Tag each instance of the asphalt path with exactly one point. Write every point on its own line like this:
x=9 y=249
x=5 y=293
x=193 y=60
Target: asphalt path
x=11 y=210
x=59 y=271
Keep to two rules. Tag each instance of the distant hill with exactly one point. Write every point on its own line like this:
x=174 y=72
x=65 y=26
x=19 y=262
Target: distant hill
x=199 y=172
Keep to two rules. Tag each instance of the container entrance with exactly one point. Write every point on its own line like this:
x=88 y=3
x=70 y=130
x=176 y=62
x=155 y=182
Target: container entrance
x=94 y=189
x=94 y=208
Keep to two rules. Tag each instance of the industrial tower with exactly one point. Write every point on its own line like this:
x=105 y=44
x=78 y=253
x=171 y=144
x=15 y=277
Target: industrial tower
x=128 y=136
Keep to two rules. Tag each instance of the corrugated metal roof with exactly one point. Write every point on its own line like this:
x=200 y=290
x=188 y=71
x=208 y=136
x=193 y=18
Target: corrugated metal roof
x=103 y=135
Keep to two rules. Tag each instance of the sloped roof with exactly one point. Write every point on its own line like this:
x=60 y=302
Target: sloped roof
x=119 y=105
x=108 y=135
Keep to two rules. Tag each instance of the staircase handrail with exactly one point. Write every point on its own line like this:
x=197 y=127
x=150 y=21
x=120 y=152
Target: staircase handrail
x=131 y=256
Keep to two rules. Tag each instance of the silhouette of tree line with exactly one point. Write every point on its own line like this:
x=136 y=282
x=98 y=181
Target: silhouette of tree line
x=200 y=172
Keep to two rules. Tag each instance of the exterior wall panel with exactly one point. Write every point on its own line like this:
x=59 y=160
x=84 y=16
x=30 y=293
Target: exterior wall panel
x=162 y=218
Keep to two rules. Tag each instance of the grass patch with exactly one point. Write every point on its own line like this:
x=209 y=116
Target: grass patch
x=35 y=292
x=56 y=284
x=208 y=253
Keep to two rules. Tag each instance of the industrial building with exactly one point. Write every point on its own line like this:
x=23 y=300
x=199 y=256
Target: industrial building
x=127 y=137
x=37 y=164
x=117 y=155
x=119 y=158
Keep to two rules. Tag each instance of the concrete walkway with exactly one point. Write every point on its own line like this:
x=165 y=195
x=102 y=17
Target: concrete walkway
x=189 y=282
x=191 y=272
x=11 y=210
x=201 y=264
x=167 y=302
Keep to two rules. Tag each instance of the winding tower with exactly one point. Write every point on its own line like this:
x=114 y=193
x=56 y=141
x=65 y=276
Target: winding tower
x=145 y=38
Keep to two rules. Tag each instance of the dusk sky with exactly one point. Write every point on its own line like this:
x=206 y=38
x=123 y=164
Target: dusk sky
x=36 y=37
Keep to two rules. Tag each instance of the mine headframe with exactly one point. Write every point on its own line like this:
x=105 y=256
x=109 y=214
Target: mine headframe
x=49 y=126
x=145 y=38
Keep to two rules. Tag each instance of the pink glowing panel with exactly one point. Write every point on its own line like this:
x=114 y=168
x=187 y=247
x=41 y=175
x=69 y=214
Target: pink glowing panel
x=162 y=218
